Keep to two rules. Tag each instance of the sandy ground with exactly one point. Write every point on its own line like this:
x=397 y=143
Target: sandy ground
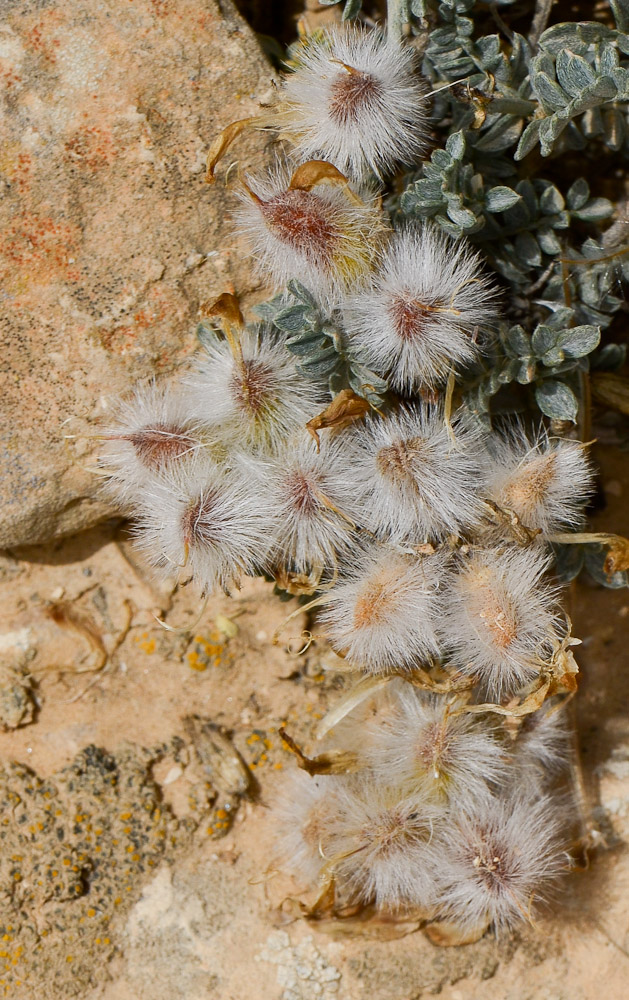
x=166 y=893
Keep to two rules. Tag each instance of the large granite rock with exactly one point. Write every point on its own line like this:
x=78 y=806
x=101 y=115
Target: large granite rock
x=109 y=236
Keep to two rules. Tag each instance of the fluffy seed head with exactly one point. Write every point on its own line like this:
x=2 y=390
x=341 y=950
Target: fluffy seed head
x=356 y=100
x=321 y=237
x=306 y=813
x=153 y=430
x=414 y=482
x=315 y=503
x=498 y=861
x=380 y=615
x=256 y=399
x=381 y=849
x=427 y=743
x=545 y=483
x=216 y=523
x=416 y=322
x=499 y=618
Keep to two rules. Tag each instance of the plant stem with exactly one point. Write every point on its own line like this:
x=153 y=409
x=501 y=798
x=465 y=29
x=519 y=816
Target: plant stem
x=396 y=19
x=540 y=20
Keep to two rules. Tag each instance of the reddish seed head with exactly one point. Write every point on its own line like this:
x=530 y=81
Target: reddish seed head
x=158 y=444
x=301 y=493
x=196 y=523
x=299 y=219
x=408 y=316
x=350 y=93
x=250 y=385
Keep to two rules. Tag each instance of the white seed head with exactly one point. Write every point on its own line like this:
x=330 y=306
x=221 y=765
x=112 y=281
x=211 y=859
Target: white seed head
x=306 y=811
x=152 y=430
x=381 y=845
x=415 y=483
x=381 y=613
x=356 y=100
x=217 y=524
x=499 y=618
x=546 y=483
x=417 y=321
x=314 y=500
x=500 y=860
x=322 y=237
x=256 y=400
x=429 y=743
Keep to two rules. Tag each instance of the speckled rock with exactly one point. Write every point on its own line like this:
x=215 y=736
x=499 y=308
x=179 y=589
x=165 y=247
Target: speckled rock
x=109 y=236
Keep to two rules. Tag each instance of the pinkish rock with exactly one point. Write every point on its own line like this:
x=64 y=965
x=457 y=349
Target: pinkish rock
x=109 y=235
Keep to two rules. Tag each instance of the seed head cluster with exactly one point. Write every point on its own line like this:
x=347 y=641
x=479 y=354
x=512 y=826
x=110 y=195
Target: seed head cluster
x=425 y=540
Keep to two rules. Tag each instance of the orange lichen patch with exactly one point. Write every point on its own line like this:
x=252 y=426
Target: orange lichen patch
x=91 y=148
x=208 y=651
x=527 y=487
x=40 y=38
x=39 y=247
x=146 y=643
x=157 y=308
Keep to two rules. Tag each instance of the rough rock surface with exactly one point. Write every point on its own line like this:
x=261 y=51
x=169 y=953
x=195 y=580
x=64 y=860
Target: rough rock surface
x=109 y=236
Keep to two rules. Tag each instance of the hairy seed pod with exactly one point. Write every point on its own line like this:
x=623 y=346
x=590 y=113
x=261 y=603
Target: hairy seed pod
x=381 y=613
x=500 y=620
x=414 y=481
x=153 y=430
x=416 y=323
x=381 y=845
x=428 y=742
x=545 y=483
x=218 y=524
x=322 y=236
x=500 y=860
x=356 y=100
x=254 y=399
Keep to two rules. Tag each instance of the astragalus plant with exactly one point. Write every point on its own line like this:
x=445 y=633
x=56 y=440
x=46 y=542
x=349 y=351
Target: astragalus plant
x=399 y=435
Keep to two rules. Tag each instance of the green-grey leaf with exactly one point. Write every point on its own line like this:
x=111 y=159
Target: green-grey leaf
x=578 y=194
x=579 y=341
x=500 y=198
x=455 y=145
x=556 y=400
x=544 y=339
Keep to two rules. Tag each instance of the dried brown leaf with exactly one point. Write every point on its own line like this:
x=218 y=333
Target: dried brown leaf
x=222 y=143
x=334 y=762
x=345 y=408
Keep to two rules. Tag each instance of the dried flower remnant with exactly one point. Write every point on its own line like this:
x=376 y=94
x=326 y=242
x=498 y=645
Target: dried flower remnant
x=218 y=524
x=415 y=482
x=356 y=100
x=500 y=620
x=544 y=482
x=254 y=398
x=381 y=613
x=417 y=322
x=500 y=860
x=320 y=233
